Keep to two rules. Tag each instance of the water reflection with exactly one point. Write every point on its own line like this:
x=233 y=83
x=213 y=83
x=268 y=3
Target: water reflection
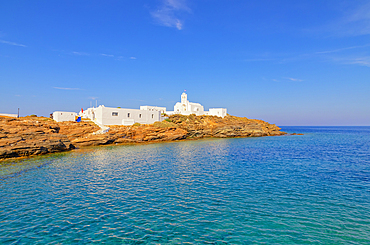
x=256 y=190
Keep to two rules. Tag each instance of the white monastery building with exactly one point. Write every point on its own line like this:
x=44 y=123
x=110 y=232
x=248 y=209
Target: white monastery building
x=64 y=116
x=119 y=116
x=105 y=116
x=187 y=108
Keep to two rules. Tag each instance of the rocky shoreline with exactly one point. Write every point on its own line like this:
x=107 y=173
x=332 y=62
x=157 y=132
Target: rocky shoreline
x=29 y=136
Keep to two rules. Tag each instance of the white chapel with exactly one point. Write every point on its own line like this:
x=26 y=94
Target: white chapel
x=186 y=107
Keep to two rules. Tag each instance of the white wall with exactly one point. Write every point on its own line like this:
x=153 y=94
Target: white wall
x=190 y=108
x=119 y=116
x=178 y=107
x=63 y=116
x=153 y=108
x=220 y=112
x=196 y=108
x=88 y=113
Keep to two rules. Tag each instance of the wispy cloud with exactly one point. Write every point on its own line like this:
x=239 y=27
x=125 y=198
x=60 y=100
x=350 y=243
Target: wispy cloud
x=359 y=60
x=168 y=13
x=342 y=49
x=67 y=88
x=288 y=78
x=355 y=21
x=133 y=58
x=80 y=53
x=354 y=55
x=107 y=55
x=293 y=79
x=363 y=61
x=358 y=20
x=13 y=43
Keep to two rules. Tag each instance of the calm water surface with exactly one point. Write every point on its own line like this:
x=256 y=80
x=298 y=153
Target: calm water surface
x=311 y=189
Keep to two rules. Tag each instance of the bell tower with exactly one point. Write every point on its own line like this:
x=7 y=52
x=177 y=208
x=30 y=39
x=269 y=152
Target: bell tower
x=184 y=98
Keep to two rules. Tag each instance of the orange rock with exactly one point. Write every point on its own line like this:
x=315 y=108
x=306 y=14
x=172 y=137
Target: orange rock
x=38 y=135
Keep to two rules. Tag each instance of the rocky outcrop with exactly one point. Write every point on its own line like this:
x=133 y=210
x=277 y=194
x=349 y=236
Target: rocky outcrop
x=38 y=135
x=19 y=138
x=132 y=134
x=230 y=126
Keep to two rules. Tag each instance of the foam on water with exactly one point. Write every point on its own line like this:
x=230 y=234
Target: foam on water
x=288 y=190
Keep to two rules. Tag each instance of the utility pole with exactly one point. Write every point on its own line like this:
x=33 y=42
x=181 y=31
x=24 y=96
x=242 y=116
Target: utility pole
x=18 y=112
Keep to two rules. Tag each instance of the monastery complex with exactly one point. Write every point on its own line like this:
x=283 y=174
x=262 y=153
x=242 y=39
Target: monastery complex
x=105 y=116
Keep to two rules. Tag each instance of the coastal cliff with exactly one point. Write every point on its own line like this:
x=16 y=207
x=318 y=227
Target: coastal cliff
x=28 y=136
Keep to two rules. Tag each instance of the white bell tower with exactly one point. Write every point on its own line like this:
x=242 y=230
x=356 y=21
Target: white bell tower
x=184 y=98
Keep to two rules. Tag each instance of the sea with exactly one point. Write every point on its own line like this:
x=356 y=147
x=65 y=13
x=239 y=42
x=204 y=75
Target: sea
x=296 y=189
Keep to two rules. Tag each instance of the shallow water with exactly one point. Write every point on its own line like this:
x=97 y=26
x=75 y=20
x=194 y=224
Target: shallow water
x=310 y=189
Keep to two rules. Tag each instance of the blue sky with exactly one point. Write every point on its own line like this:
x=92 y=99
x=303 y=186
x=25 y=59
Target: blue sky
x=286 y=62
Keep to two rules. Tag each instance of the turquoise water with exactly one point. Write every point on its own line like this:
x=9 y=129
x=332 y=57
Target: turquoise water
x=310 y=189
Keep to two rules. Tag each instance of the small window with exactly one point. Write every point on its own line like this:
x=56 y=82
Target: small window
x=139 y=115
x=128 y=114
x=114 y=114
x=152 y=115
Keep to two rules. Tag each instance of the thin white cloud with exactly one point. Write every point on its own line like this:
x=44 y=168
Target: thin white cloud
x=13 y=43
x=107 y=55
x=67 y=88
x=168 y=13
x=354 y=22
x=80 y=53
x=342 y=49
x=362 y=61
x=293 y=79
x=133 y=58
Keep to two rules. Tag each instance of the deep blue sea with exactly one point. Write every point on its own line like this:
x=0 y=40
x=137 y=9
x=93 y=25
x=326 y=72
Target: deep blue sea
x=310 y=189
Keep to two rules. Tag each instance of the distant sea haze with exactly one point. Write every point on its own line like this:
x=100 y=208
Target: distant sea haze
x=310 y=188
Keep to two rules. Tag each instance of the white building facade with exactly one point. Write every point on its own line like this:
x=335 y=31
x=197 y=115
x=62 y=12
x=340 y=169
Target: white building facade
x=64 y=116
x=153 y=108
x=105 y=116
x=186 y=107
x=119 y=116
